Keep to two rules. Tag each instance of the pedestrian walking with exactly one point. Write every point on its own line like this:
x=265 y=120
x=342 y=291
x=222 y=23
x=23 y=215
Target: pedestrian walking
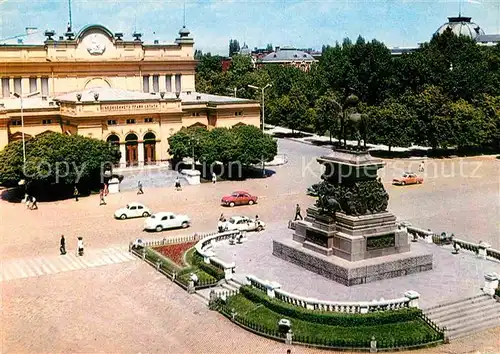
x=34 y=205
x=214 y=178
x=297 y=213
x=76 y=193
x=62 y=248
x=27 y=200
x=178 y=184
x=106 y=189
x=421 y=168
x=101 y=196
x=139 y=187
x=79 y=247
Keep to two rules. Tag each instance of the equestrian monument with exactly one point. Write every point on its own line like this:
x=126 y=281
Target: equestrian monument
x=348 y=235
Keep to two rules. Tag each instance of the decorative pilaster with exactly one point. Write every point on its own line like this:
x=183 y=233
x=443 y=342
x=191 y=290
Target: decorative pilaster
x=490 y=283
x=123 y=152
x=482 y=250
x=140 y=154
x=413 y=296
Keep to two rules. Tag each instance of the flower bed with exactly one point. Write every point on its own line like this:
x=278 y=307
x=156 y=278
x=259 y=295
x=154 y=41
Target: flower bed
x=175 y=252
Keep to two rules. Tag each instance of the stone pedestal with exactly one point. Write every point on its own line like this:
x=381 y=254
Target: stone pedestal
x=192 y=176
x=114 y=186
x=359 y=244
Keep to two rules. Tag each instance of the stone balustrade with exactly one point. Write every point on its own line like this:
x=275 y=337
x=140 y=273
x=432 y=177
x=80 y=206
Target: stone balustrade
x=410 y=299
x=415 y=231
x=203 y=247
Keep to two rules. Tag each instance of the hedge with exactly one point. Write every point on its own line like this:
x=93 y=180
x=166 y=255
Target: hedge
x=330 y=318
x=211 y=270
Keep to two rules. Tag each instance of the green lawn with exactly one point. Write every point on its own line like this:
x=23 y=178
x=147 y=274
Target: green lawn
x=315 y=332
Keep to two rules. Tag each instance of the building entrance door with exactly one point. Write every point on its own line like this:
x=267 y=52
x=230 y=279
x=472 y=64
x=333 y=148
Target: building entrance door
x=149 y=148
x=131 y=144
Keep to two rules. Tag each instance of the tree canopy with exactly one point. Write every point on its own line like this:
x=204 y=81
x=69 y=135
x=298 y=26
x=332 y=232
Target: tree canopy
x=446 y=82
x=57 y=158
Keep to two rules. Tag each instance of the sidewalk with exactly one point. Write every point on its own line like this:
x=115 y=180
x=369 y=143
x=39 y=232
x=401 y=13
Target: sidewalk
x=272 y=129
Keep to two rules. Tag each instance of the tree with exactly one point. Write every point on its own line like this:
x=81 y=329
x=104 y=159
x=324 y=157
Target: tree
x=269 y=47
x=328 y=114
x=471 y=127
x=244 y=144
x=234 y=47
x=391 y=125
x=58 y=158
x=198 y=54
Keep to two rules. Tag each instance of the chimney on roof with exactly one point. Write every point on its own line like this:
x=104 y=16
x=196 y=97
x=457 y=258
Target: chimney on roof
x=277 y=49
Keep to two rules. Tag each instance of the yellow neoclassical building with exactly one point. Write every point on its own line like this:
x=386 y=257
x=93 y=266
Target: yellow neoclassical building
x=97 y=84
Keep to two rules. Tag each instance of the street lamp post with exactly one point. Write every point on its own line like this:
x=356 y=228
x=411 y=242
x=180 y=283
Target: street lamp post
x=263 y=117
x=22 y=97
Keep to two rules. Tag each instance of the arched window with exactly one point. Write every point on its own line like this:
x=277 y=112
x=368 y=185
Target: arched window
x=113 y=139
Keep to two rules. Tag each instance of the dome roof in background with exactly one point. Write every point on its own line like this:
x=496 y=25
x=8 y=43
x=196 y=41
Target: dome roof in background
x=461 y=26
x=287 y=54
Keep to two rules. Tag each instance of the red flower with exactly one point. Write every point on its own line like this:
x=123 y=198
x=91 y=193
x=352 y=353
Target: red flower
x=175 y=252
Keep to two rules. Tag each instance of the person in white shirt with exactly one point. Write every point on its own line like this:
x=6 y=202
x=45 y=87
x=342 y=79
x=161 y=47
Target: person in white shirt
x=214 y=177
x=80 y=247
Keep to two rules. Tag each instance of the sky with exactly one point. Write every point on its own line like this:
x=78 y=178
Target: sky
x=297 y=23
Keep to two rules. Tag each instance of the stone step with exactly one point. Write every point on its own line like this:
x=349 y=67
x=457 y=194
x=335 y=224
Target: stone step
x=452 y=306
x=459 y=308
x=229 y=286
x=473 y=311
x=201 y=297
x=470 y=328
x=478 y=317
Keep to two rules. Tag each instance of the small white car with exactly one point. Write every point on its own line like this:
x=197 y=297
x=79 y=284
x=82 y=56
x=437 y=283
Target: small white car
x=133 y=210
x=166 y=220
x=242 y=223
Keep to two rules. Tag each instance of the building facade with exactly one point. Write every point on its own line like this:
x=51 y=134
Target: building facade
x=97 y=84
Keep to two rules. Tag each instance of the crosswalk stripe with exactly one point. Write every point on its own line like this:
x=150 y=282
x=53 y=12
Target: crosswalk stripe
x=34 y=267
x=113 y=255
x=39 y=266
x=22 y=270
x=43 y=266
x=105 y=258
x=60 y=265
x=50 y=266
x=7 y=272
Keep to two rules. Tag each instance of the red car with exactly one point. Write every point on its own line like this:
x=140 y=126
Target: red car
x=408 y=178
x=238 y=198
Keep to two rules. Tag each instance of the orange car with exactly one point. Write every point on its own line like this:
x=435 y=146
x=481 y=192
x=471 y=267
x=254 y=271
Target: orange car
x=408 y=178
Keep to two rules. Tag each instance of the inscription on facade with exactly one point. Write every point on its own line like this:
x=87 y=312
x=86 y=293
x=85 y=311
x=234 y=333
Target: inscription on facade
x=130 y=107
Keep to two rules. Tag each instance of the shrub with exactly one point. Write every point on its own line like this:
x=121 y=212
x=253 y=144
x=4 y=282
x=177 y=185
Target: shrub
x=211 y=270
x=330 y=318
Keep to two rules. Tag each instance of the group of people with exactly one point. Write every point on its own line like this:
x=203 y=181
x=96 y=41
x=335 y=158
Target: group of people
x=30 y=201
x=79 y=246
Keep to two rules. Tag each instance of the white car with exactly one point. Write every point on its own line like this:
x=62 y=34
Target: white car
x=166 y=220
x=242 y=223
x=133 y=210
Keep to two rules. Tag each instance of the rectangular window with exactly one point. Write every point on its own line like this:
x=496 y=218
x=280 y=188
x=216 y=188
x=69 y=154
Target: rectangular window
x=33 y=87
x=130 y=121
x=111 y=122
x=195 y=114
x=168 y=83
x=156 y=83
x=16 y=122
x=145 y=83
x=17 y=85
x=5 y=87
x=47 y=121
x=45 y=86
x=178 y=85
x=238 y=113
x=148 y=120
